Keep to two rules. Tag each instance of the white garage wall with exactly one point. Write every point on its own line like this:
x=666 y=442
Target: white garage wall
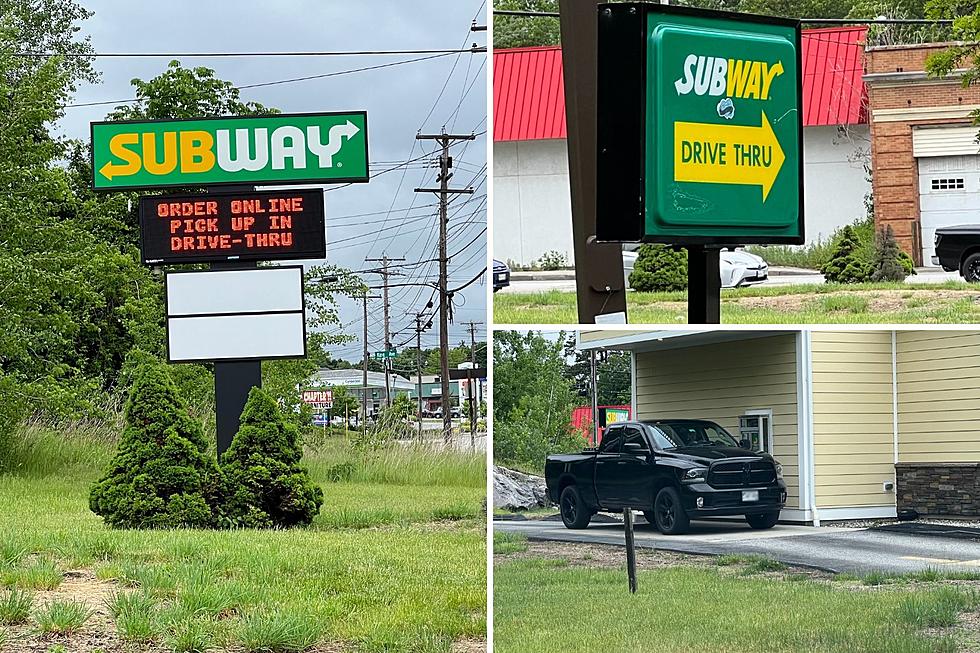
x=532 y=208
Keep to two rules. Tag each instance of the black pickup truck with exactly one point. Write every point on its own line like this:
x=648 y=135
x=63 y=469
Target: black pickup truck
x=958 y=248
x=674 y=470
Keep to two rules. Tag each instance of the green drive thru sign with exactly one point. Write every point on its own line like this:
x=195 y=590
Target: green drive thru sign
x=711 y=101
x=279 y=149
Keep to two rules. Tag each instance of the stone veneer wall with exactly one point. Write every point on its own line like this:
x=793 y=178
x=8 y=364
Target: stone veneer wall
x=939 y=489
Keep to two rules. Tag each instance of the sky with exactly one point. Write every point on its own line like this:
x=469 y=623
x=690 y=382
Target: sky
x=369 y=220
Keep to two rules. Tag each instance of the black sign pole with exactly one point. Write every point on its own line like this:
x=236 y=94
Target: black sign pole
x=233 y=380
x=703 y=285
x=630 y=549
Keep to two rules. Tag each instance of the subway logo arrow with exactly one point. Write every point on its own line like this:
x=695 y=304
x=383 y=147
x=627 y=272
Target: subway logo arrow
x=727 y=154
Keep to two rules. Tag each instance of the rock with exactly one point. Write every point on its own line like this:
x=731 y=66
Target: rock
x=513 y=490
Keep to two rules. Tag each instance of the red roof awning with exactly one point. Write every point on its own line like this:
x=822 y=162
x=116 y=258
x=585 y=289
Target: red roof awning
x=529 y=96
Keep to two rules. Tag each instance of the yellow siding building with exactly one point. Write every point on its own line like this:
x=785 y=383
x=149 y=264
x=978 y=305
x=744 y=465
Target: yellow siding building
x=865 y=422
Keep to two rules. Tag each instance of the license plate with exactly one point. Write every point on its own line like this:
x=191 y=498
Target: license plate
x=498 y=277
x=750 y=495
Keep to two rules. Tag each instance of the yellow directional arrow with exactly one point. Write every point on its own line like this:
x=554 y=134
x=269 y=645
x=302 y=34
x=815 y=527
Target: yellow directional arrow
x=727 y=154
x=117 y=146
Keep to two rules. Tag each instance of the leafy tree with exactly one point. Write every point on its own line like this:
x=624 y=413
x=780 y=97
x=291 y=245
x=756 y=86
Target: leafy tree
x=887 y=264
x=845 y=264
x=162 y=475
x=532 y=399
x=265 y=486
x=965 y=53
x=520 y=31
x=614 y=372
x=344 y=402
x=659 y=268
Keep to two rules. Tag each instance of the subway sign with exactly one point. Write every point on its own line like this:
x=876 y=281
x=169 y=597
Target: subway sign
x=278 y=149
x=211 y=227
x=699 y=128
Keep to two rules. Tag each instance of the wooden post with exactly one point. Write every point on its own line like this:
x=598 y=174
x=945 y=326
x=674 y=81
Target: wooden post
x=630 y=549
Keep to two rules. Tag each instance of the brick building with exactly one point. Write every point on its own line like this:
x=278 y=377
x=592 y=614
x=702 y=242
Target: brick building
x=924 y=153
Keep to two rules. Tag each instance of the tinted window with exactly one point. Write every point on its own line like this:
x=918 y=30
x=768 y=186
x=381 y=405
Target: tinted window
x=611 y=439
x=692 y=434
x=634 y=435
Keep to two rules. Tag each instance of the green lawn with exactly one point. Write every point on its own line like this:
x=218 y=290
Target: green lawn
x=544 y=605
x=394 y=562
x=881 y=303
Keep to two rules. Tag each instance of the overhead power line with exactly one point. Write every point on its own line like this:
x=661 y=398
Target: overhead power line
x=816 y=21
x=187 y=55
x=243 y=87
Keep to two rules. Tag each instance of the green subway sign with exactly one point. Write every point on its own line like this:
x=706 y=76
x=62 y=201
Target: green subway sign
x=699 y=128
x=278 y=149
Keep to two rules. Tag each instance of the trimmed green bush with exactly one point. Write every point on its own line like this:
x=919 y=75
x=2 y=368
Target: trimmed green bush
x=162 y=475
x=265 y=486
x=845 y=264
x=659 y=268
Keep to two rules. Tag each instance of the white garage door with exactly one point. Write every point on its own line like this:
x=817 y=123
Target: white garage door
x=949 y=194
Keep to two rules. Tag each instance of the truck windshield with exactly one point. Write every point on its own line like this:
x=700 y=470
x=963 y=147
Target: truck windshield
x=675 y=434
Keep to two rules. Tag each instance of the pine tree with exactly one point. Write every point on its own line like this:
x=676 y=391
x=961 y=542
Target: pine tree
x=162 y=475
x=265 y=486
x=887 y=264
x=845 y=265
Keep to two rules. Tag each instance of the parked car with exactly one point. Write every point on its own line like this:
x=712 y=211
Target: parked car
x=958 y=249
x=501 y=275
x=674 y=470
x=737 y=268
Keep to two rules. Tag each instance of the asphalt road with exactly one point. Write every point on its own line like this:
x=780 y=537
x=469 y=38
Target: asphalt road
x=851 y=550
x=544 y=282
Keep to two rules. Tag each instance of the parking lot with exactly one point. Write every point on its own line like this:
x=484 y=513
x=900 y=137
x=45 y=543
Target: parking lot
x=834 y=549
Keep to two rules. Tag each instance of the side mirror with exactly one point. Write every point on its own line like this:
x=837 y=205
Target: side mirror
x=745 y=443
x=635 y=448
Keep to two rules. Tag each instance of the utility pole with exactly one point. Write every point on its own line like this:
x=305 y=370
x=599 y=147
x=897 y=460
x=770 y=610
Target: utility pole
x=364 y=391
x=418 y=366
x=385 y=273
x=473 y=399
x=445 y=163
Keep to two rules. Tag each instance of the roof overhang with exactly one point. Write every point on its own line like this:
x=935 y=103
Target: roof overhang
x=645 y=341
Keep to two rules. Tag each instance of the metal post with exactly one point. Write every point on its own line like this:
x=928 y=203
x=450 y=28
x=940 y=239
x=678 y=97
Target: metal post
x=630 y=549
x=600 y=287
x=703 y=285
x=385 y=273
x=474 y=402
x=594 y=383
x=445 y=163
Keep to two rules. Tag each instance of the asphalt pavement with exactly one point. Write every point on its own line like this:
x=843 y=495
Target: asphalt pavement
x=892 y=549
x=564 y=280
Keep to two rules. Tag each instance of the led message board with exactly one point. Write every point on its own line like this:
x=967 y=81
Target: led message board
x=233 y=226
x=280 y=149
x=699 y=128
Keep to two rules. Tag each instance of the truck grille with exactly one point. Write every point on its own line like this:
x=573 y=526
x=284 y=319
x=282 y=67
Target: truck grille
x=745 y=473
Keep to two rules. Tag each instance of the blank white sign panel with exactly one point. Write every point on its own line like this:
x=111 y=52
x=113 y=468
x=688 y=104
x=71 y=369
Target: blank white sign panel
x=276 y=335
x=235 y=291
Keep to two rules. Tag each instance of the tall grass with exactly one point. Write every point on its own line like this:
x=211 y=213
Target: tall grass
x=41 y=449
x=397 y=464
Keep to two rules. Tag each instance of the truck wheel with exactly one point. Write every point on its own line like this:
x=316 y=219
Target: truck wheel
x=669 y=514
x=971 y=268
x=763 y=520
x=574 y=514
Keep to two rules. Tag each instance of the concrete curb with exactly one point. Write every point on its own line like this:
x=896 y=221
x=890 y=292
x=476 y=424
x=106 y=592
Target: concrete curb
x=569 y=275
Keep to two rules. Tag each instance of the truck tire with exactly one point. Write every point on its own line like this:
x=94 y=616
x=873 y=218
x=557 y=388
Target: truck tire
x=970 y=269
x=763 y=520
x=668 y=513
x=574 y=513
